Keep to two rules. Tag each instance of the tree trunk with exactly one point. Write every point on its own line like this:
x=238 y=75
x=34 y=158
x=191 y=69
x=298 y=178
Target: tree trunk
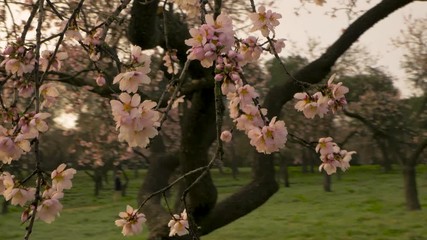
x=198 y=133
x=327 y=182
x=304 y=161
x=98 y=182
x=410 y=186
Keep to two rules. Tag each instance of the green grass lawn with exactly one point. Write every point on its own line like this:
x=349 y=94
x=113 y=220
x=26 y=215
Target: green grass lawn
x=364 y=204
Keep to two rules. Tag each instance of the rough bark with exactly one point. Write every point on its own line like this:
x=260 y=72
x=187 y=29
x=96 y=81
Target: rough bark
x=409 y=178
x=159 y=172
x=410 y=186
x=247 y=199
x=198 y=133
x=144 y=29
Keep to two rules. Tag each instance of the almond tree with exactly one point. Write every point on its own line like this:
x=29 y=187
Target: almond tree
x=210 y=55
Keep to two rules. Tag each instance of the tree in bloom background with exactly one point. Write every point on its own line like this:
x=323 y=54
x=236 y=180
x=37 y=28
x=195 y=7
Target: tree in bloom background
x=197 y=91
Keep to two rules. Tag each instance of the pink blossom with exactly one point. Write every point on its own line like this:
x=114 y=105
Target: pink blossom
x=250 y=49
x=269 y=138
x=226 y=136
x=170 y=61
x=25 y=89
x=26 y=214
x=23 y=143
x=137 y=138
x=332 y=156
x=50 y=93
x=304 y=100
x=346 y=158
x=50 y=207
x=8 y=150
x=265 y=21
x=247 y=94
x=131 y=221
x=130 y=81
x=61 y=178
x=227 y=86
x=336 y=94
x=6 y=182
x=9 y=50
x=211 y=39
x=330 y=98
x=94 y=38
x=228 y=70
x=177 y=101
x=322 y=106
x=148 y=117
x=56 y=62
x=18 y=67
x=100 y=80
x=233 y=105
x=126 y=109
x=278 y=45
x=249 y=119
x=38 y=122
x=329 y=164
x=136 y=122
x=325 y=146
x=19 y=196
x=72 y=30
x=179 y=224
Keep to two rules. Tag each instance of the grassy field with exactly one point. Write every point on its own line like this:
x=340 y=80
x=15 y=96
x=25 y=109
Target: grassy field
x=364 y=204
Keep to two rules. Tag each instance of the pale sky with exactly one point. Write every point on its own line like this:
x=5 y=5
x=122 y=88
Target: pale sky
x=326 y=29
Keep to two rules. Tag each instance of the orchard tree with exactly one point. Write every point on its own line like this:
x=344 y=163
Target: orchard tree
x=204 y=60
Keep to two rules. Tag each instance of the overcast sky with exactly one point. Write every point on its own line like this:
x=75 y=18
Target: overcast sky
x=326 y=29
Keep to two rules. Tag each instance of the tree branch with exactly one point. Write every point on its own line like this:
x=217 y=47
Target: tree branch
x=264 y=184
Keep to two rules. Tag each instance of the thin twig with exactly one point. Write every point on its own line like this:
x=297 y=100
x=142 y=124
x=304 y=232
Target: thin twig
x=37 y=109
x=174 y=94
x=29 y=20
x=164 y=189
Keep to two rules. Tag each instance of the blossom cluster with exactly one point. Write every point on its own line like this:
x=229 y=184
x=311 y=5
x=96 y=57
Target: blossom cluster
x=332 y=156
x=19 y=128
x=330 y=98
x=15 y=142
x=214 y=42
x=131 y=222
x=136 y=120
x=50 y=206
x=266 y=137
x=211 y=39
x=19 y=59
